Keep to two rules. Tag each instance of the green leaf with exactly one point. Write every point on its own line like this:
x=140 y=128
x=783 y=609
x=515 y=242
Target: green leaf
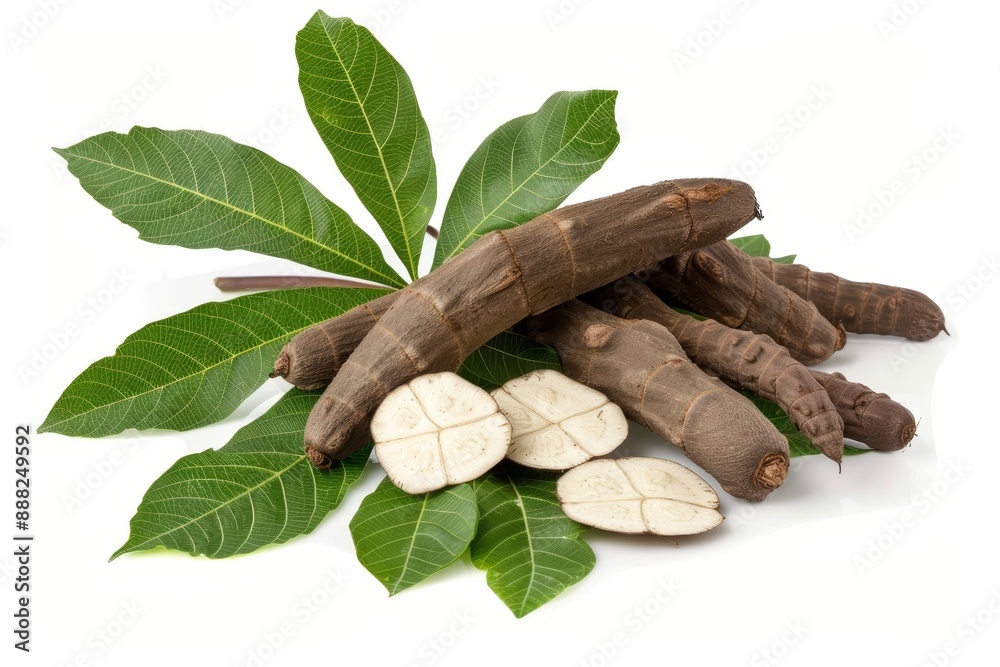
x=530 y=550
x=755 y=246
x=362 y=103
x=403 y=539
x=787 y=259
x=528 y=166
x=259 y=489
x=506 y=356
x=798 y=444
x=201 y=190
x=194 y=368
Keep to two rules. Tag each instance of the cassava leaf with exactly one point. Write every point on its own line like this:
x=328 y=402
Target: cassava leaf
x=201 y=190
x=787 y=259
x=755 y=246
x=504 y=357
x=259 y=489
x=528 y=166
x=363 y=105
x=403 y=539
x=798 y=444
x=194 y=368
x=530 y=550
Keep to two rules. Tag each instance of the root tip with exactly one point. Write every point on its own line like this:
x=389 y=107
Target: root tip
x=772 y=470
x=318 y=458
x=281 y=366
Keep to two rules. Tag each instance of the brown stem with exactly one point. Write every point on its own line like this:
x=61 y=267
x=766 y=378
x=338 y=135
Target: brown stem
x=249 y=283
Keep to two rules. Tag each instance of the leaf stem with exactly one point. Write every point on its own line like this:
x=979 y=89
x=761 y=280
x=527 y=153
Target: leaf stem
x=248 y=283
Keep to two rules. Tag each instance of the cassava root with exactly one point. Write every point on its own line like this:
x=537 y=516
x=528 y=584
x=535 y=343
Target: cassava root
x=864 y=308
x=721 y=282
x=641 y=367
x=508 y=275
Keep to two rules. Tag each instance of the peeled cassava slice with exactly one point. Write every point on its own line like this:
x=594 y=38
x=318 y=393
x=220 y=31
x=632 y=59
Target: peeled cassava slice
x=639 y=495
x=438 y=430
x=557 y=422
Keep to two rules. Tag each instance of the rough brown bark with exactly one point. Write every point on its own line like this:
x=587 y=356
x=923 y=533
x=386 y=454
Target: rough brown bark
x=865 y=308
x=640 y=366
x=506 y=276
x=751 y=361
x=721 y=282
x=313 y=356
x=869 y=417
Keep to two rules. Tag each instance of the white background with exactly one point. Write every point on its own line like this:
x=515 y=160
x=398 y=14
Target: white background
x=822 y=573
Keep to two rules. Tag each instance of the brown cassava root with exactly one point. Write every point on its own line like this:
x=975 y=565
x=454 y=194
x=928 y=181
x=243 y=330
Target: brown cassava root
x=640 y=366
x=313 y=356
x=750 y=361
x=507 y=275
x=720 y=281
x=865 y=308
x=869 y=417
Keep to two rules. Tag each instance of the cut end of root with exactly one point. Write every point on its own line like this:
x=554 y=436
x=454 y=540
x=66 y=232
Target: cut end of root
x=771 y=471
x=281 y=366
x=841 y=337
x=318 y=458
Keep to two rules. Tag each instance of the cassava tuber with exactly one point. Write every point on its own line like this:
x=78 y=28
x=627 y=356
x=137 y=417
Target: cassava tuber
x=558 y=423
x=864 y=308
x=639 y=495
x=507 y=275
x=869 y=417
x=748 y=360
x=640 y=366
x=720 y=281
x=438 y=430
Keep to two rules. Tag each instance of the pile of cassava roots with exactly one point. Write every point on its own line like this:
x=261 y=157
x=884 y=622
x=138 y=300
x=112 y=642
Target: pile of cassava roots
x=610 y=285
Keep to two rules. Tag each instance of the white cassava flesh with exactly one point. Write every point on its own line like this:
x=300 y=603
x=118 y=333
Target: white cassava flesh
x=639 y=495
x=557 y=422
x=438 y=430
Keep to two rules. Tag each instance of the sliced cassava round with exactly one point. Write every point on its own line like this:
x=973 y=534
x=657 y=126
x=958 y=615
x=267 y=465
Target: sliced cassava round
x=639 y=495
x=438 y=430
x=558 y=423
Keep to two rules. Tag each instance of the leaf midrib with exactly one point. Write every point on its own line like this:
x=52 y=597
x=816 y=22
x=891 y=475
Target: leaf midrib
x=519 y=501
x=390 y=280
x=458 y=248
x=409 y=551
x=215 y=510
x=201 y=372
x=411 y=267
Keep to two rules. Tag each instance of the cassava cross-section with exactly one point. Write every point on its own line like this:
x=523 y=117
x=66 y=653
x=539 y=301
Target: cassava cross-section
x=505 y=276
